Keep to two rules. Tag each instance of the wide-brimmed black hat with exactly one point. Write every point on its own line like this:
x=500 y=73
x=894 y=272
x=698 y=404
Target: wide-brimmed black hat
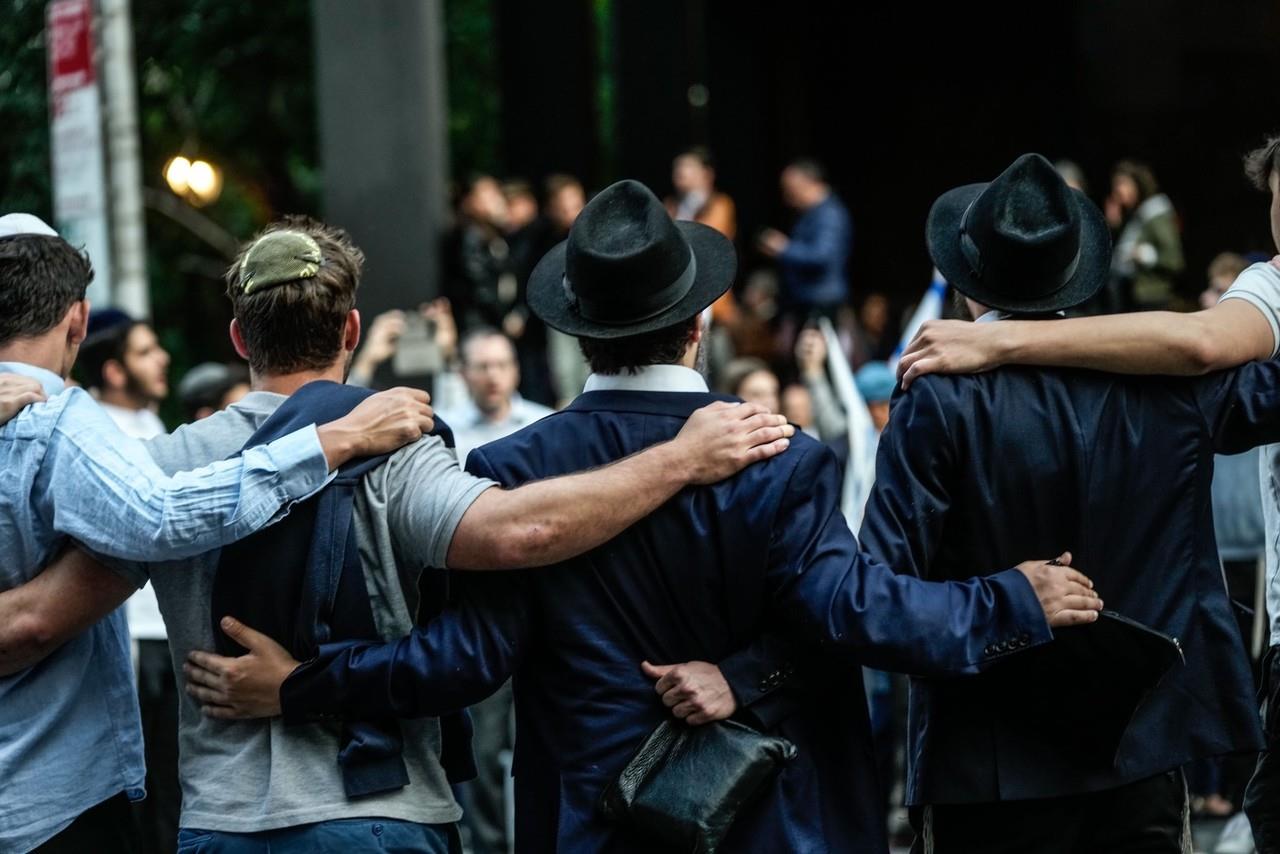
x=627 y=268
x=1026 y=242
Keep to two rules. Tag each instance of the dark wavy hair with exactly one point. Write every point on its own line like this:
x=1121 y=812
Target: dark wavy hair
x=41 y=277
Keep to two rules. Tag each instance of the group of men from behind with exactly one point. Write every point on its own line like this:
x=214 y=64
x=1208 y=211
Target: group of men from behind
x=677 y=556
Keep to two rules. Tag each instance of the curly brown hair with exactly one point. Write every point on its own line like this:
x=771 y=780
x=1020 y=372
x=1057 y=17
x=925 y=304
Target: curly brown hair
x=1260 y=163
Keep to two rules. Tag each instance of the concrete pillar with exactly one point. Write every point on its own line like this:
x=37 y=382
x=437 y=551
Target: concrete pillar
x=383 y=140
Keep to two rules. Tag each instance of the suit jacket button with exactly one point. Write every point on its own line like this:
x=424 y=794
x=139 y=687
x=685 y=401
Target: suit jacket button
x=989 y=650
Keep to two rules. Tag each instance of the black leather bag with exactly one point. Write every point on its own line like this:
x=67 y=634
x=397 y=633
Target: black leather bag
x=687 y=784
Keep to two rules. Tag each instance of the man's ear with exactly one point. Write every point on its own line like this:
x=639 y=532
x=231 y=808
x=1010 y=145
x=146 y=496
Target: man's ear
x=699 y=326
x=114 y=374
x=351 y=332
x=237 y=340
x=78 y=328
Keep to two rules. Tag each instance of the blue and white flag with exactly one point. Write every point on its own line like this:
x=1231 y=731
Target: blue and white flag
x=930 y=308
x=860 y=470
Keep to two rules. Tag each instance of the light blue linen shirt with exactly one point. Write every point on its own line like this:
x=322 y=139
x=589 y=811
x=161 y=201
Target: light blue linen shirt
x=70 y=736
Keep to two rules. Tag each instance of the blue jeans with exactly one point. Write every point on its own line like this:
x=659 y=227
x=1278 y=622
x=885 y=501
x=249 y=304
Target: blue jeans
x=341 y=836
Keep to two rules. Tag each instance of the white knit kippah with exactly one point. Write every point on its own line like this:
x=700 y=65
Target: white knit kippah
x=14 y=224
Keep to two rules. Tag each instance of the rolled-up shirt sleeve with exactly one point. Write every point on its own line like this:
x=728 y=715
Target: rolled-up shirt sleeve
x=102 y=488
x=1259 y=285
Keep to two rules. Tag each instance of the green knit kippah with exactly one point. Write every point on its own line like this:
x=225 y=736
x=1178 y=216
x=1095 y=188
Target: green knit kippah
x=277 y=258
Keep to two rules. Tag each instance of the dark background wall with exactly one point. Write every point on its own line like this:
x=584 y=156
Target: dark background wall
x=902 y=101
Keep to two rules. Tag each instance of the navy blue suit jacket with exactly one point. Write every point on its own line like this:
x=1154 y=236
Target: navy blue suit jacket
x=975 y=470
x=813 y=265
x=705 y=575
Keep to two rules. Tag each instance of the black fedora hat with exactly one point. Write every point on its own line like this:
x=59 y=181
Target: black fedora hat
x=1026 y=242
x=627 y=268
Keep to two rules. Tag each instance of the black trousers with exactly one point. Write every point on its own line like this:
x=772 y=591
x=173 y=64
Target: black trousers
x=157 y=813
x=105 y=829
x=1262 y=798
x=1146 y=817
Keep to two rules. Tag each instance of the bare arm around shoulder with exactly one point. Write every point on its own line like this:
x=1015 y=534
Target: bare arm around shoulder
x=553 y=520
x=1231 y=333
x=69 y=596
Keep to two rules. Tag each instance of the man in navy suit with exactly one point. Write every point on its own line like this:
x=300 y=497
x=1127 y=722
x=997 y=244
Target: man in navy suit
x=813 y=259
x=762 y=561
x=975 y=468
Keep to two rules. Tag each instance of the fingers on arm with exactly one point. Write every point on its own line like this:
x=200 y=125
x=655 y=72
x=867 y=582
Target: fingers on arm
x=764 y=452
x=1073 y=618
x=1079 y=578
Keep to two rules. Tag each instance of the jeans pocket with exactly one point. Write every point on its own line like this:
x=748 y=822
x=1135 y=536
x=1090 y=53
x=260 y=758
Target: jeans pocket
x=194 y=841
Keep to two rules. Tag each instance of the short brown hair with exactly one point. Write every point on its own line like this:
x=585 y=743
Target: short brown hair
x=1227 y=264
x=661 y=347
x=1260 y=163
x=298 y=325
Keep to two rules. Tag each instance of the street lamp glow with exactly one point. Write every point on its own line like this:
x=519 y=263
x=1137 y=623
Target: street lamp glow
x=204 y=181
x=177 y=174
x=197 y=181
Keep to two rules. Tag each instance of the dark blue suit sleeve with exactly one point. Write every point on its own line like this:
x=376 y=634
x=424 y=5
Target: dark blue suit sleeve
x=835 y=594
x=819 y=246
x=1242 y=407
x=456 y=660
x=761 y=677
x=909 y=500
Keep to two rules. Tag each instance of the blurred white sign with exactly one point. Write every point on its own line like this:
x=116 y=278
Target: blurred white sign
x=75 y=124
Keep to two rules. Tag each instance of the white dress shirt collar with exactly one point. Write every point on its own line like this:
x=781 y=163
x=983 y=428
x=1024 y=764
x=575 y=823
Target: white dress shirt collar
x=993 y=315
x=650 y=378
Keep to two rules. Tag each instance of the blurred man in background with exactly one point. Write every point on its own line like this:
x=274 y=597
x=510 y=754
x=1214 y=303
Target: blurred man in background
x=124 y=366
x=495 y=408
x=212 y=387
x=813 y=259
